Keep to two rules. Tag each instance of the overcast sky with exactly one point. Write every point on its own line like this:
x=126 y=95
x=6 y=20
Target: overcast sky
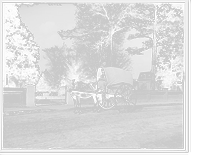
x=45 y=20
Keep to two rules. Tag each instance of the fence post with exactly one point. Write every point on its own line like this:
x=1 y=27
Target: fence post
x=30 y=95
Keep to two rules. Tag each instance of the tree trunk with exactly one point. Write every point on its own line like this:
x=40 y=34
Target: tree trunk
x=153 y=68
x=109 y=56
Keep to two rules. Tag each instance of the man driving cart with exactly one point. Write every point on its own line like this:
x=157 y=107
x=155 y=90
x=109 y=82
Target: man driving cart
x=101 y=89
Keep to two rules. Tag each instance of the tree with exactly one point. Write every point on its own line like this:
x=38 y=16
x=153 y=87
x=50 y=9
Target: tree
x=120 y=56
x=160 y=21
x=57 y=65
x=45 y=82
x=97 y=52
x=21 y=53
x=170 y=69
x=97 y=48
x=79 y=68
x=87 y=72
x=108 y=19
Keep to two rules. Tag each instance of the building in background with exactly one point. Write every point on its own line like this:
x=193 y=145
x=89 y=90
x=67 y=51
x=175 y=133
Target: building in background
x=144 y=81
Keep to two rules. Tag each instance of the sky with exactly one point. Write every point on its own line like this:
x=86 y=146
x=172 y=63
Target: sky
x=45 y=21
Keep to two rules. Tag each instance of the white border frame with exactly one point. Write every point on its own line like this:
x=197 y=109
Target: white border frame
x=186 y=105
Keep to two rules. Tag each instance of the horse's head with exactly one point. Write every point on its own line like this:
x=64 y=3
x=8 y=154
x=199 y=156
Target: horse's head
x=82 y=86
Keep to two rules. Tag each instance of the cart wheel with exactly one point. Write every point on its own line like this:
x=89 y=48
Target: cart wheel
x=105 y=102
x=125 y=98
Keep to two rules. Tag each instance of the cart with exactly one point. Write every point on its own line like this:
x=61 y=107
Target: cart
x=114 y=87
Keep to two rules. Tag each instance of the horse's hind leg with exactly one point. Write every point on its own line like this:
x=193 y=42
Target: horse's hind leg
x=100 y=100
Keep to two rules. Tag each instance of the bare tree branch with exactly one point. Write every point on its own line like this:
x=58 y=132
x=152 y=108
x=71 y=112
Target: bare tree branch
x=141 y=36
x=136 y=51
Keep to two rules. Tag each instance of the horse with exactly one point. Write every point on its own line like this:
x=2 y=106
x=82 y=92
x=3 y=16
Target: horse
x=78 y=95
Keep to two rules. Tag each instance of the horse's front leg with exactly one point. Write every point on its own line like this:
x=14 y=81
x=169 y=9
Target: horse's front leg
x=99 y=101
x=79 y=104
x=95 y=105
x=75 y=104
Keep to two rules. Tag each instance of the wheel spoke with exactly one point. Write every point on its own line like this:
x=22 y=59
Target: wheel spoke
x=112 y=99
x=104 y=102
x=109 y=102
x=103 y=99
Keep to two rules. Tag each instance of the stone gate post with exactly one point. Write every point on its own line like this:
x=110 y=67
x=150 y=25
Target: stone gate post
x=30 y=95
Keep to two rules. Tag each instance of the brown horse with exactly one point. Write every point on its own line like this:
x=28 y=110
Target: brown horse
x=78 y=95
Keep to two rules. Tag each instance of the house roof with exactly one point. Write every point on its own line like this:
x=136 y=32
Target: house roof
x=144 y=76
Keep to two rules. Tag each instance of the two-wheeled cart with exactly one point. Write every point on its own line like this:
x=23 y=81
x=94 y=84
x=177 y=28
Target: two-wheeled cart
x=119 y=89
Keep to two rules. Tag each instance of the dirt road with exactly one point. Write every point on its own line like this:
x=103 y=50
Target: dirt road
x=155 y=127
